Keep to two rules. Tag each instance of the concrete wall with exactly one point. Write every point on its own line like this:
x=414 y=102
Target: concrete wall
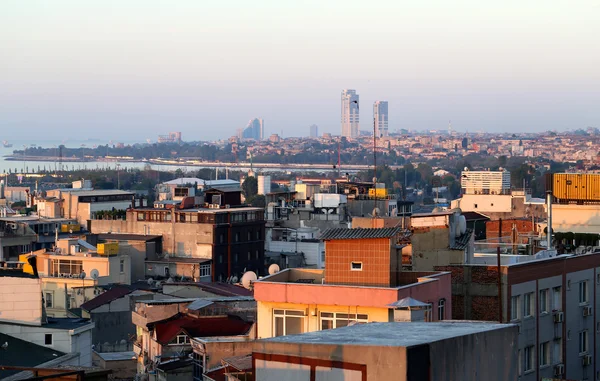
x=178 y=238
x=62 y=339
x=576 y=218
x=430 y=249
x=311 y=250
x=486 y=355
x=484 y=203
x=136 y=252
x=20 y=300
x=120 y=369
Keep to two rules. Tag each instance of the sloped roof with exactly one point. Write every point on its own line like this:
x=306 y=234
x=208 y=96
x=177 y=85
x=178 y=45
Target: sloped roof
x=359 y=233
x=200 y=327
x=106 y=297
x=461 y=243
x=241 y=363
x=23 y=353
x=475 y=216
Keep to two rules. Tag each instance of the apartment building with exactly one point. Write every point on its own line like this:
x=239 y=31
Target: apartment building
x=553 y=298
x=198 y=242
x=74 y=271
x=360 y=282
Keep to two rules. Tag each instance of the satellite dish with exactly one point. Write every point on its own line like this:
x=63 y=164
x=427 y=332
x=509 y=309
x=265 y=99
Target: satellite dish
x=82 y=275
x=150 y=281
x=94 y=274
x=273 y=269
x=234 y=279
x=158 y=283
x=375 y=212
x=248 y=278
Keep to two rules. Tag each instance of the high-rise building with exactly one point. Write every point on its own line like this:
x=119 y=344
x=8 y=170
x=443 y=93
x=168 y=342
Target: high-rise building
x=254 y=129
x=314 y=131
x=350 y=115
x=380 y=114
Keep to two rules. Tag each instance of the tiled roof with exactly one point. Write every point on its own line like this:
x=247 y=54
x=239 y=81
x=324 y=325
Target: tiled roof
x=359 y=233
x=200 y=327
x=241 y=363
x=461 y=243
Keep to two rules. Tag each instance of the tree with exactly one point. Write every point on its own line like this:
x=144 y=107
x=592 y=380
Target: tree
x=250 y=187
x=257 y=200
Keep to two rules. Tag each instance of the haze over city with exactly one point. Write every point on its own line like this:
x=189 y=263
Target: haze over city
x=135 y=69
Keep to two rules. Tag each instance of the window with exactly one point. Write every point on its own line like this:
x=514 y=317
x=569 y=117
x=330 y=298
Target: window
x=544 y=354
x=257 y=254
x=249 y=236
x=520 y=362
x=49 y=300
x=221 y=238
x=441 y=309
x=356 y=266
x=515 y=308
x=557 y=351
x=583 y=292
x=65 y=267
x=557 y=298
x=122 y=266
x=475 y=205
x=237 y=237
x=528 y=358
x=166 y=271
x=220 y=258
x=258 y=235
x=205 y=270
x=583 y=342
x=181 y=339
x=287 y=322
x=528 y=306
x=48 y=339
x=544 y=301
x=330 y=320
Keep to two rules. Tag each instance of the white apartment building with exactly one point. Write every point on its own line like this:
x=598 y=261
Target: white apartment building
x=485 y=182
x=350 y=114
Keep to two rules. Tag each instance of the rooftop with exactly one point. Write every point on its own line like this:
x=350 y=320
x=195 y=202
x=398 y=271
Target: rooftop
x=397 y=334
x=127 y=237
x=180 y=260
x=117 y=356
x=359 y=233
x=24 y=353
x=462 y=242
x=96 y=192
x=218 y=288
x=200 y=327
x=106 y=297
x=66 y=323
x=15 y=273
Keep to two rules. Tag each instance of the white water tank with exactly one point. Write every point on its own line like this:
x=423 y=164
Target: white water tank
x=264 y=184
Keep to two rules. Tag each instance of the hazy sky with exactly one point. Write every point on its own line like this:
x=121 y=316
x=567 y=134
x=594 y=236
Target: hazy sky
x=133 y=69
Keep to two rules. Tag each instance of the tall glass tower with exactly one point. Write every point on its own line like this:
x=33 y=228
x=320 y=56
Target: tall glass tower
x=380 y=114
x=350 y=117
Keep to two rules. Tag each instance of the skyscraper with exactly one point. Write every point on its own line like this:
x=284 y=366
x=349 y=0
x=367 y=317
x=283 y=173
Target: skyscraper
x=254 y=129
x=314 y=131
x=350 y=116
x=380 y=114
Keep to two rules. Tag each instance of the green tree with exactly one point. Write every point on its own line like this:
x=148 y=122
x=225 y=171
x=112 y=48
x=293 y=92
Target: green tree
x=250 y=187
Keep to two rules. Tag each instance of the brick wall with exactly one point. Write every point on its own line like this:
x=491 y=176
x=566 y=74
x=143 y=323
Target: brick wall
x=492 y=227
x=373 y=254
x=484 y=308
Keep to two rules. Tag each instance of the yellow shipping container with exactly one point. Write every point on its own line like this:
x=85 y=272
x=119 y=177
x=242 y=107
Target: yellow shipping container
x=379 y=192
x=26 y=267
x=576 y=186
x=109 y=248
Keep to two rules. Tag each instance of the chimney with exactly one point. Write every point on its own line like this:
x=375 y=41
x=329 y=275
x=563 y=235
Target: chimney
x=33 y=263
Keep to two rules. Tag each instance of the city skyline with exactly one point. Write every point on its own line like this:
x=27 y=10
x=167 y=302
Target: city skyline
x=128 y=70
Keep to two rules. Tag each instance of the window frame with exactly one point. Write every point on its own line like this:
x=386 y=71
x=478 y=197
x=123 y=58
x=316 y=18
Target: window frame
x=544 y=354
x=49 y=304
x=515 y=309
x=46 y=337
x=441 y=309
x=557 y=298
x=543 y=301
x=205 y=270
x=528 y=304
x=291 y=314
x=353 y=263
x=584 y=292
x=584 y=343
x=356 y=317
x=528 y=359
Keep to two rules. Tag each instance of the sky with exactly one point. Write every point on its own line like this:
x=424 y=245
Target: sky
x=133 y=69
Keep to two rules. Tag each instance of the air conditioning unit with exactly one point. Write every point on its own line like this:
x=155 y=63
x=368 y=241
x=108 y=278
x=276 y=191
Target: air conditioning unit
x=587 y=311
x=558 y=317
x=586 y=360
x=559 y=370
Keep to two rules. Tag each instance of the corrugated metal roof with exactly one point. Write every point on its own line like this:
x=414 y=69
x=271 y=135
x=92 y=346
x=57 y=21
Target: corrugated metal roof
x=461 y=243
x=359 y=233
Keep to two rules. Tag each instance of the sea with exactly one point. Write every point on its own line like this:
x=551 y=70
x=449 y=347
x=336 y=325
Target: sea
x=19 y=166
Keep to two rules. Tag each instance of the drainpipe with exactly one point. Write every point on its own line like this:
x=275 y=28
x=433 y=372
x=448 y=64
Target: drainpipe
x=549 y=227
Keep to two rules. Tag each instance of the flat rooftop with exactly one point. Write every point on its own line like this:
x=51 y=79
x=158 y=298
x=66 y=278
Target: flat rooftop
x=117 y=356
x=397 y=334
x=66 y=323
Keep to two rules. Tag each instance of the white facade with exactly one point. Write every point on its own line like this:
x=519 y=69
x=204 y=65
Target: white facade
x=78 y=340
x=484 y=203
x=264 y=184
x=350 y=114
x=485 y=182
x=20 y=300
x=380 y=115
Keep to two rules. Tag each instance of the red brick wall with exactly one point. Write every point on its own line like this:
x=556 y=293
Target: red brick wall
x=374 y=255
x=484 y=308
x=492 y=227
x=458 y=307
